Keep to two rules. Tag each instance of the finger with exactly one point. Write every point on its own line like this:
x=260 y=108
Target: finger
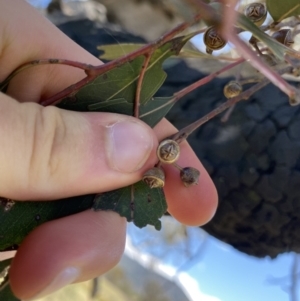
x=30 y=36
x=71 y=249
x=48 y=153
x=194 y=205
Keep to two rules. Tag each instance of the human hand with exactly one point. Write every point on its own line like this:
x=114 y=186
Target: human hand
x=48 y=153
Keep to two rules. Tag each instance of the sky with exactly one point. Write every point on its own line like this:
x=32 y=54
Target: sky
x=39 y=3
x=218 y=272
x=232 y=275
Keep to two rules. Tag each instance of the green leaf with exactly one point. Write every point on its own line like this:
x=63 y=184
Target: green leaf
x=138 y=203
x=151 y=112
x=114 y=51
x=121 y=82
x=280 y=10
x=5 y=291
x=23 y=217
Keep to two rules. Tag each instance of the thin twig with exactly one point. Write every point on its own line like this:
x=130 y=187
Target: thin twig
x=178 y=95
x=261 y=66
x=139 y=85
x=83 y=66
x=207 y=79
x=227 y=114
x=185 y=132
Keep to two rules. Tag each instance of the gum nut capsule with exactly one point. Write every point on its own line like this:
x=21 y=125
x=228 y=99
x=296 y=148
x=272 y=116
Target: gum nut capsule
x=213 y=40
x=256 y=12
x=232 y=89
x=154 y=177
x=168 y=151
x=283 y=36
x=189 y=176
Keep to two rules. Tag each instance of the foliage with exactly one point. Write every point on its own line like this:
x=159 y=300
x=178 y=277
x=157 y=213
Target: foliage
x=280 y=10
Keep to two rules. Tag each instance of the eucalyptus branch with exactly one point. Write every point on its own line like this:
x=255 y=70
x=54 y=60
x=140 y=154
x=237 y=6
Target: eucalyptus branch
x=254 y=60
x=266 y=70
x=206 y=79
x=83 y=66
x=178 y=95
x=94 y=71
x=98 y=70
x=186 y=131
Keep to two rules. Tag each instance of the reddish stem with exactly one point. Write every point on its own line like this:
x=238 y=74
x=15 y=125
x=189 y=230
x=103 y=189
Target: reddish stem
x=139 y=85
x=85 y=67
x=206 y=79
x=195 y=85
x=260 y=65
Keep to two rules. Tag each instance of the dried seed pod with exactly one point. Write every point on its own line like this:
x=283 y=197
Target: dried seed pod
x=283 y=36
x=232 y=89
x=189 y=176
x=256 y=12
x=213 y=40
x=154 y=177
x=168 y=151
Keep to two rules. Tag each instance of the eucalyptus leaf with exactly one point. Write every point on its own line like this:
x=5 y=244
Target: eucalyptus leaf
x=114 y=51
x=121 y=82
x=280 y=10
x=151 y=112
x=23 y=217
x=5 y=291
x=138 y=203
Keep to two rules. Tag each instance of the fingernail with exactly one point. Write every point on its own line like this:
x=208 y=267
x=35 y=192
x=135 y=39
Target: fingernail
x=67 y=276
x=129 y=145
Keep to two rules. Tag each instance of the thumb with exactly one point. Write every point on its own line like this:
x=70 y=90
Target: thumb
x=49 y=153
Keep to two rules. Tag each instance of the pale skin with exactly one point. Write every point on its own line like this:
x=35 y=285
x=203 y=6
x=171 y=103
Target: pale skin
x=47 y=153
